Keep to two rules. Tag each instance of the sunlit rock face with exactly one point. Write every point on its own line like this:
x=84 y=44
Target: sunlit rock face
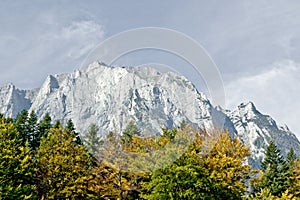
x=111 y=97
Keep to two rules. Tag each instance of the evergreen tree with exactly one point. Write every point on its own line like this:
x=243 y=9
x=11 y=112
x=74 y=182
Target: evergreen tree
x=275 y=171
x=57 y=124
x=44 y=127
x=71 y=129
x=32 y=130
x=21 y=125
x=291 y=156
x=64 y=167
x=16 y=165
x=130 y=130
x=92 y=141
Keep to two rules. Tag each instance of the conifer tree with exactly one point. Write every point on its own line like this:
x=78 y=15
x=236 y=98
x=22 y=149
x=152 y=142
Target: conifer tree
x=130 y=130
x=21 y=125
x=275 y=171
x=92 y=141
x=57 y=124
x=291 y=156
x=44 y=127
x=32 y=130
x=71 y=128
x=16 y=165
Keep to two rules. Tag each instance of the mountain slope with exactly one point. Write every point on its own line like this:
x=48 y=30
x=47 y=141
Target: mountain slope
x=13 y=100
x=113 y=96
x=257 y=130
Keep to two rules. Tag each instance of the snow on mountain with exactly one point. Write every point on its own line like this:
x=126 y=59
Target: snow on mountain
x=113 y=96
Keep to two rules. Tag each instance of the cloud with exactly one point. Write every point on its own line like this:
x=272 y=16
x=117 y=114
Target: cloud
x=51 y=47
x=275 y=92
x=80 y=37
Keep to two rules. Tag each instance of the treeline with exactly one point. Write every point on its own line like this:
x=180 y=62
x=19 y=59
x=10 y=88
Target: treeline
x=41 y=160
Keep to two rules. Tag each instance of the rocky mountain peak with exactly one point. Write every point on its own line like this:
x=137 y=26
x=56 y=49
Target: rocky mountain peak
x=111 y=97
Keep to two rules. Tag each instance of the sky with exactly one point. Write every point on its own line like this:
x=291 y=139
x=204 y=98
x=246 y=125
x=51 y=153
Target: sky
x=254 y=43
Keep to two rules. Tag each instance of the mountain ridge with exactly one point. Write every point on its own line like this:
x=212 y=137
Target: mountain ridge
x=111 y=97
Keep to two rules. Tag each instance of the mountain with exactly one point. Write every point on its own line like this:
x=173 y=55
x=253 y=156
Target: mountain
x=113 y=96
x=257 y=130
x=13 y=100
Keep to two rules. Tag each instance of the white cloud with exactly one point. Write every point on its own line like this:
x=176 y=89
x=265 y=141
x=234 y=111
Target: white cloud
x=275 y=92
x=56 y=48
x=80 y=37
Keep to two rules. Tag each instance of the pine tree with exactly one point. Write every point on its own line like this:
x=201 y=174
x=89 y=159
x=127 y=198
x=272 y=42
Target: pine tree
x=32 y=131
x=71 y=128
x=21 y=125
x=44 y=127
x=64 y=167
x=57 y=124
x=92 y=141
x=275 y=171
x=16 y=165
x=130 y=130
x=291 y=156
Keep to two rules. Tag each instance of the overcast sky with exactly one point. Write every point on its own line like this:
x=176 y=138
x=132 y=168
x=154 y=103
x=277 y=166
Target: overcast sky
x=254 y=43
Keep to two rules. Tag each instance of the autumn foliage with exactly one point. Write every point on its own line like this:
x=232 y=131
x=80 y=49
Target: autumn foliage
x=39 y=160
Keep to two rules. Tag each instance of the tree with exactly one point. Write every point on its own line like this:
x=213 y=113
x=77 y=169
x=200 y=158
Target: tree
x=16 y=165
x=21 y=125
x=33 y=133
x=275 y=171
x=291 y=156
x=184 y=179
x=43 y=128
x=130 y=130
x=225 y=162
x=219 y=174
x=64 y=167
x=92 y=141
x=295 y=180
x=71 y=128
x=57 y=124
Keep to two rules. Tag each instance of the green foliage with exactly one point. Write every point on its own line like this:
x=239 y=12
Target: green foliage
x=33 y=133
x=44 y=126
x=275 y=171
x=130 y=130
x=16 y=165
x=71 y=129
x=38 y=160
x=92 y=140
x=21 y=125
x=291 y=156
x=221 y=174
x=225 y=163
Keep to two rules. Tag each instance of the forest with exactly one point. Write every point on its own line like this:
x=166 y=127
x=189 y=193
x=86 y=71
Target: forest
x=42 y=159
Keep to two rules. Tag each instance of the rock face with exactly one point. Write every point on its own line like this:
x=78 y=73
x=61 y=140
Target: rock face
x=13 y=100
x=113 y=96
x=257 y=130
